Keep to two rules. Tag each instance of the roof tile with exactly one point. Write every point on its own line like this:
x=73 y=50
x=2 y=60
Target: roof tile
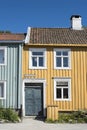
x=11 y=37
x=58 y=36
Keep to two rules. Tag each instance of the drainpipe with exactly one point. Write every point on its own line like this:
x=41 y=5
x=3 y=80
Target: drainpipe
x=19 y=82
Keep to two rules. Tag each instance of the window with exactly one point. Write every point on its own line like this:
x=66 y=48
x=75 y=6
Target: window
x=62 y=89
x=2 y=55
x=37 y=58
x=2 y=90
x=62 y=58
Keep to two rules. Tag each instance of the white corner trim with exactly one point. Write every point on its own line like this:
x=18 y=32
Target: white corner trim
x=27 y=39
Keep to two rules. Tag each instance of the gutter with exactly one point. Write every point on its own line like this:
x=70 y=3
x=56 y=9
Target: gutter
x=56 y=45
x=8 y=41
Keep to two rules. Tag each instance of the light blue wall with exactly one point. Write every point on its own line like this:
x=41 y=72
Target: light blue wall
x=12 y=74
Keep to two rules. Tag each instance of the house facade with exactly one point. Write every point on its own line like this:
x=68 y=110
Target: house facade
x=11 y=70
x=54 y=70
x=46 y=71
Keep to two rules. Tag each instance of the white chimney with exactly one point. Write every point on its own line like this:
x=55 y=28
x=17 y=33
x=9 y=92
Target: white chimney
x=76 y=22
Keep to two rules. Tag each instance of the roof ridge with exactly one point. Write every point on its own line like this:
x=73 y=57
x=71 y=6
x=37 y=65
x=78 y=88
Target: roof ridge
x=49 y=28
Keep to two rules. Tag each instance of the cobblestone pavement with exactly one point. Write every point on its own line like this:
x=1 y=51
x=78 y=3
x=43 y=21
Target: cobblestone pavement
x=32 y=124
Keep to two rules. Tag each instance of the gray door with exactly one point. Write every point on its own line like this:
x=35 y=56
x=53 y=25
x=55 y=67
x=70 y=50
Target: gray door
x=33 y=99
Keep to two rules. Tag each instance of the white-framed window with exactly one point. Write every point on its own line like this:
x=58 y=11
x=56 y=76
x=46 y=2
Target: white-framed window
x=3 y=54
x=2 y=89
x=62 y=58
x=37 y=58
x=62 y=89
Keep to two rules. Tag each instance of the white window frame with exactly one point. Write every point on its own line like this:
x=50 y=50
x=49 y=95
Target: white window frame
x=69 y=58
x=4 y=82
x=69 y=89
x=30 y=57
x=5 y=55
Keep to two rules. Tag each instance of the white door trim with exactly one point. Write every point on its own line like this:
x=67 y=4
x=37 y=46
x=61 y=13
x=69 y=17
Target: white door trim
x=44 y=93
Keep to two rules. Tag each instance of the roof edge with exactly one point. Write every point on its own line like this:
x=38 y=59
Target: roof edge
x=59 y=45
x=10 y=41
x=27 y=39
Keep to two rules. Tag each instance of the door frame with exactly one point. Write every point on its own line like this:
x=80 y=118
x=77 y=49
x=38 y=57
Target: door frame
x=44 y=93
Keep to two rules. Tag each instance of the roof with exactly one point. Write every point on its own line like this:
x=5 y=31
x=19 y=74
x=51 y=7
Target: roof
x=11 y=37
x=57 y=36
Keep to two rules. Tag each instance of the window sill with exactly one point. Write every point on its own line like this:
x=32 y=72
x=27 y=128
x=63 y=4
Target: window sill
x=62 y=99
x=2 y=64
x=58 y=68
x=1 y=98
x=38 y=68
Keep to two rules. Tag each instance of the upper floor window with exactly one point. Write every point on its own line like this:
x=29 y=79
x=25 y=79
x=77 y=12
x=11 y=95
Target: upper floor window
x=2 y=55
x=37 y=58
x=62 y=88
x=62 y=58
x=2 y=89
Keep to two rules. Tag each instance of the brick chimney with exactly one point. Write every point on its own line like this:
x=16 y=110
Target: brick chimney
x=76 y=22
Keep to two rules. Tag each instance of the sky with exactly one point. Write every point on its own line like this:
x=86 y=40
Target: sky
x=17 y=15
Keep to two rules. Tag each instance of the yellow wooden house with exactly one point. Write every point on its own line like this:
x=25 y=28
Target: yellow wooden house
x=55 y=70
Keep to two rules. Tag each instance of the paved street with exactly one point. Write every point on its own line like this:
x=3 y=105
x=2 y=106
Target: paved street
x=32 y=124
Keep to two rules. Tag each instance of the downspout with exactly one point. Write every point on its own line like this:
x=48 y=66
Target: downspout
x=19 y=81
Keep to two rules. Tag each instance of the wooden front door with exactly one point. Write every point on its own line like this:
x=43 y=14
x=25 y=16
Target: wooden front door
x=33 y=99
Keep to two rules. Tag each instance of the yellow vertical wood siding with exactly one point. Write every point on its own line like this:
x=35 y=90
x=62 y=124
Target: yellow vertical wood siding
x=77 y=73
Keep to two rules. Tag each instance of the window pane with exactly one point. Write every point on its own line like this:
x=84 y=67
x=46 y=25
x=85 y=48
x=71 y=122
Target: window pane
x=65 y=53
x=58 y=53
x=1 y=90
x=65 y=61
x=58 y=93
x=41 y=62
x=34 y=61
x=58 y=62
x=62 y=84
x=65 y=93
x=1 y=56
x=37 y=53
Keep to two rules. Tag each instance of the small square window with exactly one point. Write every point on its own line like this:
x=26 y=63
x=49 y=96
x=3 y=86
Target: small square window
x=2 y=55
x=58 y=53
x=2 y=90
x=65 y=53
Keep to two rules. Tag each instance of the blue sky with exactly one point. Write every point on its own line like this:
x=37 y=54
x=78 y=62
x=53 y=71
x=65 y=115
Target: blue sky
x=17 y=15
